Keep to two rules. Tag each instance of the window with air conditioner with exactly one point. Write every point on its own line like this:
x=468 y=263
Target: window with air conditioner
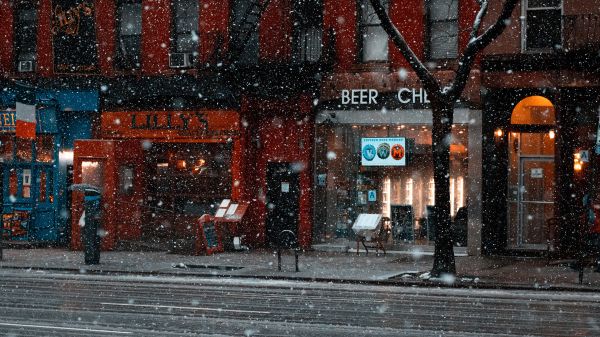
x=129 y=33
x=185 y=33
x=542 y=29
x=25 y=46
x=442 y=29
x=374 y=40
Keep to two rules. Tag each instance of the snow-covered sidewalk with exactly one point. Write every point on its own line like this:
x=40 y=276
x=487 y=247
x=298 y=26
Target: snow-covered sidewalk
x=407 y=268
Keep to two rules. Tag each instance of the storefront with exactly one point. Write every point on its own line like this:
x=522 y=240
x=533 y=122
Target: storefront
x=36 y=173
x=396 y=180
x=539 y=144
x=159 y=171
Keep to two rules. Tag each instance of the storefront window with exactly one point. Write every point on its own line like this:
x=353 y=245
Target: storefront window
x=92 y=173
x=346 y=188
x=7 y=146
x=45 y=148
x=13 y=183
x=26 y=184
x=43 y=182
x=24 y=149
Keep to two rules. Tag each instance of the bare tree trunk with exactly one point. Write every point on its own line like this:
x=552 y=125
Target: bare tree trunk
x=441 y=134
x=442 y=104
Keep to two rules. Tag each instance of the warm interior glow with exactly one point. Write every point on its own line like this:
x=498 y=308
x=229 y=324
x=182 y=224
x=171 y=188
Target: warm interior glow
x=498 y=133
x=551 y=134
x=535 y=110
x=409 y=192
x=89 y=164
x=577 y=163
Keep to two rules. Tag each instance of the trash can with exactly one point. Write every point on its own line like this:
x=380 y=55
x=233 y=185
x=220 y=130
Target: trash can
x=93 y=212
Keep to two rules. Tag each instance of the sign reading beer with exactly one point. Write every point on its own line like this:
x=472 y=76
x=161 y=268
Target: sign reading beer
x=170 y=124
x=383 y=151
x=74 y=36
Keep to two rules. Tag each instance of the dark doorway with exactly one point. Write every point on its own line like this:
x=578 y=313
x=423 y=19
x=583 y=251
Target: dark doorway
x=283 y=196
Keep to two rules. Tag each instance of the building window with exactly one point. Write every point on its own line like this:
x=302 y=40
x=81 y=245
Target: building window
x=543 y=24
x=126 y=175
x=129 y=26
x=442 y=29
x=185 y=27
x=374 y=40
x=25 y=30
x=244 y=31
x=308 y=23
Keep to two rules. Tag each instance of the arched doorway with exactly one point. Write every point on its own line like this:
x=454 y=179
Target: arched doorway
x=531 y=173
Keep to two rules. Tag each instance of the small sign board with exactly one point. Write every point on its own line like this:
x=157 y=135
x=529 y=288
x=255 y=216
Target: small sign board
x=372 y=195
x=383 y=151
x=366 y=224
x=584 y=156
x=537 y=173
x=208 y=238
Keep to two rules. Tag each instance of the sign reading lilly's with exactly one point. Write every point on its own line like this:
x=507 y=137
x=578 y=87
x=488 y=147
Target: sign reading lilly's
x=170 y=124
x=383 y=151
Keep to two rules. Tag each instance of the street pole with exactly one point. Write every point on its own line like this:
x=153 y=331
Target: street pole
x=1 y=205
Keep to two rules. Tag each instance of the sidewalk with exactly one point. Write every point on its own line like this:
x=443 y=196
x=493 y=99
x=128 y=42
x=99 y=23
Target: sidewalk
x=399 y=268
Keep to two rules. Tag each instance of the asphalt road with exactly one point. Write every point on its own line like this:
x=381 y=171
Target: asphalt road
x=45 y=304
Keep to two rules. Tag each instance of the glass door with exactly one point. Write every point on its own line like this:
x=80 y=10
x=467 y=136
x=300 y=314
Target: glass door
x=536 y=204
x=531 y=182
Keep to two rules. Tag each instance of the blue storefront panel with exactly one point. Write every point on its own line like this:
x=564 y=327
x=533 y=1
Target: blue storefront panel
x=35 y=172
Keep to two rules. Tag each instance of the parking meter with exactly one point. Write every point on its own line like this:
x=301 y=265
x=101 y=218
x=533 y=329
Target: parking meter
x=93 y=213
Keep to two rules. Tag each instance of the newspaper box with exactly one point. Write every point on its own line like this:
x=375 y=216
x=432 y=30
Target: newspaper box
x=371 y=228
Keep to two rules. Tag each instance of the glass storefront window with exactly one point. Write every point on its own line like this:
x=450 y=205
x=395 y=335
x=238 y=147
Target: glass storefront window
x=345 y=188
x=43 y=182
x=45 y=148
x=7 y=146
x=24 y=149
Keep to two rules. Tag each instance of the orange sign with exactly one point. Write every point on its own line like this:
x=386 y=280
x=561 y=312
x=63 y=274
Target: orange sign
x=397 y=151
x=170 y=124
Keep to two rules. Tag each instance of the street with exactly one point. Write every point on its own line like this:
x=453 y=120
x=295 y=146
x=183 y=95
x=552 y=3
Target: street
x=46 y=304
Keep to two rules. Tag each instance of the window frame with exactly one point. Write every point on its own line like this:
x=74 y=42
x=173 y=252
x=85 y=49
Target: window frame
x=429 y=35
x=122 y=61
x=18 y=29
x=361 y=27
x=250 y=54
x=524 y=9
x=175 y=33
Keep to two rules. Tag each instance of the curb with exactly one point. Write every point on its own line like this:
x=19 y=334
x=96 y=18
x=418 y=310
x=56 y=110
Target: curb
x=389 y=282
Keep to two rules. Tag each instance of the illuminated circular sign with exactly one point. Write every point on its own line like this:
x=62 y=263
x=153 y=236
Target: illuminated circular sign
x=397 y=152
x=383 y=150
x=368 y=152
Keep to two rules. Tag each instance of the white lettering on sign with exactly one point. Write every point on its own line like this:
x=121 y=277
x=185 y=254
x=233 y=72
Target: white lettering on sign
x=369 y=96
x=359 y=96
x=412 y=95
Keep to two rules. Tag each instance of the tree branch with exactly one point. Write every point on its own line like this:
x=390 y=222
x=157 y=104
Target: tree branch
x=476 y=45
x=479 y=18
x=430 y=84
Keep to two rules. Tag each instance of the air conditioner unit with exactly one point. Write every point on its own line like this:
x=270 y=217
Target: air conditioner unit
x=181 y=60
x=25 y=66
